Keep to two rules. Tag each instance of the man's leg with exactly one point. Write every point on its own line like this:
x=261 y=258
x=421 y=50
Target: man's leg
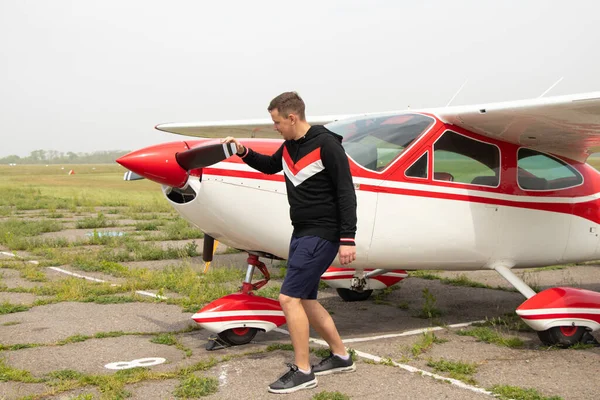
x=322 y=322
x=300 y=375
x=297 y=324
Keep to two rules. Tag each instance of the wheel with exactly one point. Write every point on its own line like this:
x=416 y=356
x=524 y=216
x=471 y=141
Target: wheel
x=353 y=295
x=562 y=336
x=237 y=336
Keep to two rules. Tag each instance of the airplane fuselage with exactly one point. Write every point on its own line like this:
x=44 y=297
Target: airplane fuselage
x=435 y=206
x=496 y=186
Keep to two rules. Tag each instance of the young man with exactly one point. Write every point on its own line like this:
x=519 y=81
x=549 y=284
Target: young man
x=323 y=213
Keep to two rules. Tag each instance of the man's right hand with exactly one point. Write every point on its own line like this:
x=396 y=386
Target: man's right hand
x=240 y=147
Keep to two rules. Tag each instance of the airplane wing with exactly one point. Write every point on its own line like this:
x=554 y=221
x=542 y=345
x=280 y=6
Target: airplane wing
x=565 y=125
x=251 y=128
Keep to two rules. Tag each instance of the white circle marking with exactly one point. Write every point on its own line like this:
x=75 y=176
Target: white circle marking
x=140 y=362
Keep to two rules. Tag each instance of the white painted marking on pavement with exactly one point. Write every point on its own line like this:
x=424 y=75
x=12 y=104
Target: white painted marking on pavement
x=409 y=333
x=393 y=335
x=76 y=275
x=426 y=373
x=140 y=362
x=144 y=293
x=223 y=375
x=89 y=278
x=16 y=256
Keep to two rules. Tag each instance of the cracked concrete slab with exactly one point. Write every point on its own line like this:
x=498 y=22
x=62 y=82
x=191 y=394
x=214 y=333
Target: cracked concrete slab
x=91 y=356
x=54 y=322
x=18 y=390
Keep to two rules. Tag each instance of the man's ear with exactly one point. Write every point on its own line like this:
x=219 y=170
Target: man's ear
x=293 y=118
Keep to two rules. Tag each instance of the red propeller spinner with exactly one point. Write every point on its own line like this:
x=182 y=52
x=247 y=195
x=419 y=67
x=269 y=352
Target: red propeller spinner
x=158 y=163
x=169 y=163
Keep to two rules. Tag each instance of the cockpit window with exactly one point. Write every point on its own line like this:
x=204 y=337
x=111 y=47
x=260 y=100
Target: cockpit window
x=376 y=141
x=538 y=171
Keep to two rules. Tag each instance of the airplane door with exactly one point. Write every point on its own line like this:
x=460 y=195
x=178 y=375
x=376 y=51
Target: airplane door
x=419 y=228
x=441 y=214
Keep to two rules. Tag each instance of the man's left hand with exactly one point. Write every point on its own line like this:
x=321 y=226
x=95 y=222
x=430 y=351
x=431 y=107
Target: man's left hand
x=347 y=254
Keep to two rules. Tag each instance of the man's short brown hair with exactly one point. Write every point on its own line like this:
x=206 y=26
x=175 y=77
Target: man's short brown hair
x=287 y=103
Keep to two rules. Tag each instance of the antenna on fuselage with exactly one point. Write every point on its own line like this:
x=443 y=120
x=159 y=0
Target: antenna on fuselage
x=456 y=94
x=550 y=88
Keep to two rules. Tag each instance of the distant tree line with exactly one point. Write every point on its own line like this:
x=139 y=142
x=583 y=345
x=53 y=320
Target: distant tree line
x=59 y=157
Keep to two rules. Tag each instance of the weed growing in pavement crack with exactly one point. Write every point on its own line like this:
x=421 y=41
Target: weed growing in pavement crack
x=457 y=369
x=429 y=310
x=330 y=396
x=489 y=335
x=425 y=342
x=518 y=393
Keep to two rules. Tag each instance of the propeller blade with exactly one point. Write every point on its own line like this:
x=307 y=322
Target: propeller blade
x=203 y=156
x=132 y=176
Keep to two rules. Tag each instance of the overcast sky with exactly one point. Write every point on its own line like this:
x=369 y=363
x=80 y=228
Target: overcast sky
x=99 y=75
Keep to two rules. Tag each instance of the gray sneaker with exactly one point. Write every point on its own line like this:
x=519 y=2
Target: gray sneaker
x=333 y=365
x=293 y=380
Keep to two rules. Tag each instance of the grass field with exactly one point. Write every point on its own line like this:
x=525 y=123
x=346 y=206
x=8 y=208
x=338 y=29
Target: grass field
x=29 y=187
x=39 y=203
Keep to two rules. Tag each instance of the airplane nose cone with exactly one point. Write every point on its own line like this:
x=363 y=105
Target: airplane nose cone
x=158 y=163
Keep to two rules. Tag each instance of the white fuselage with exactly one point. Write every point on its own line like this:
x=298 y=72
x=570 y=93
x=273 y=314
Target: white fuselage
x=412 y=230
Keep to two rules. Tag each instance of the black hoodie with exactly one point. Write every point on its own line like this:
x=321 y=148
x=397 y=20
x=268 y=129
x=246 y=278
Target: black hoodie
x=318 y=181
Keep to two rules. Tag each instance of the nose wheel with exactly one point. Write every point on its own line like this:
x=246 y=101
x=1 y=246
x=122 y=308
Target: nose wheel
x=237 y=336
x=566 y=336
x=353 y=295
x=237 y=318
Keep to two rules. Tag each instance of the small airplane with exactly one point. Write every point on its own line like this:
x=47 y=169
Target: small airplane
x=485 y=187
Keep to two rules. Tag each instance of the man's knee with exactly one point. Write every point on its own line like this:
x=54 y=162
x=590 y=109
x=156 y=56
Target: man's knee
x=286 y=301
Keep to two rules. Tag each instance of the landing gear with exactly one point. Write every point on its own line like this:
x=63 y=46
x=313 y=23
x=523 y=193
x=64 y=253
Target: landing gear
x=237 y=318
x=562 y=336
x=238 y=336
x=562 y=316
x=358 y=285
x=353 y=295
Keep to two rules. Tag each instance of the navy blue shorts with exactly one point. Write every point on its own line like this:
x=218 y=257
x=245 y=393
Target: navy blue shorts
x=309 y=258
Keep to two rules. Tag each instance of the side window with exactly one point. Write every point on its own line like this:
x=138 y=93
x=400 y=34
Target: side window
x=418 y=169
x=538 y=171
x=457 y=158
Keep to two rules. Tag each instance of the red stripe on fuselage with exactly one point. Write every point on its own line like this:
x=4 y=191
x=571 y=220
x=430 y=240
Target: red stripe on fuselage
x=564 y=208
x=593 y=317
x=579 y=209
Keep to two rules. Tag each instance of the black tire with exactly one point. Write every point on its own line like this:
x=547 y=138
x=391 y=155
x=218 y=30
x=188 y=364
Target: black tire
x=238 y=336
x=353 y=295
x=562 y=336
